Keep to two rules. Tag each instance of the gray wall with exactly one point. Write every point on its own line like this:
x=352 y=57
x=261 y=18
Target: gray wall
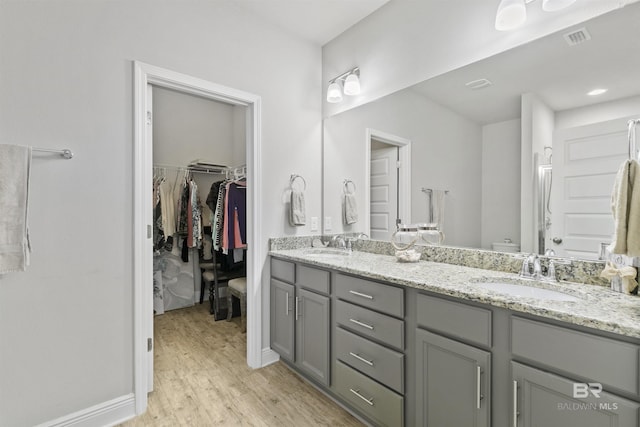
x=500 y=182
x=446 y=154
x=66 y=80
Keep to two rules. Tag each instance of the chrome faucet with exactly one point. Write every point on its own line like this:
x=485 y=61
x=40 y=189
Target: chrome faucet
x=338 y=241
x=533 y=260
x=529 y=261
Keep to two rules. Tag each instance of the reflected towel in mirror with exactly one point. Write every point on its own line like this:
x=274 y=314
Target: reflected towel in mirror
x=350 y=209
x=625 y=206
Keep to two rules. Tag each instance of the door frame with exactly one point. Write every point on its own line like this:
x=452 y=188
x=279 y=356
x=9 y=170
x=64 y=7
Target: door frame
x=144 y=75
x=404 y=177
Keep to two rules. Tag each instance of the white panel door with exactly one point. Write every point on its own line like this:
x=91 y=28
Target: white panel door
x=384 y=193
x=585 y=162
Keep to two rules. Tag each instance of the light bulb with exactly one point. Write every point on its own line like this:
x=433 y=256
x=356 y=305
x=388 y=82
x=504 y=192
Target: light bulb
x=352 y=85
x=334 y=93
x=511 y=14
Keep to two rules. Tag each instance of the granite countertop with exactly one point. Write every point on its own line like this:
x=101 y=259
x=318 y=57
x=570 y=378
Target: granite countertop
x=596 y=307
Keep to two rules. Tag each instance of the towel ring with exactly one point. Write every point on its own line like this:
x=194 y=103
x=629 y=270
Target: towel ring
x=293 y=180
x=346 y=186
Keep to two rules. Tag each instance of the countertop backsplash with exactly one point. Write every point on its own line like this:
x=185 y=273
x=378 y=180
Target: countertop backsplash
x=572 y=270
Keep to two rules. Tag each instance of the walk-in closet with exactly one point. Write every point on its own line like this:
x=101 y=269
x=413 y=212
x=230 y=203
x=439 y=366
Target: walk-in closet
x=199 y=204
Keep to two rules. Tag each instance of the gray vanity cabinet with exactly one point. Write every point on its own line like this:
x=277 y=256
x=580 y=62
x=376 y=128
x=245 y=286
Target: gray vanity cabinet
x=312 y=334
x=282 y=319
x=453 y=382
x=540 y=398
x=300 y=317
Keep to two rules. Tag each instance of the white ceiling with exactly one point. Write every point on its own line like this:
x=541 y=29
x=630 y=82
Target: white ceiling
x=559 y=74
x=318 y=21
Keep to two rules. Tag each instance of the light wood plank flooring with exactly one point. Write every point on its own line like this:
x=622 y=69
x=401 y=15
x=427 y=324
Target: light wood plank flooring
x=202 y=379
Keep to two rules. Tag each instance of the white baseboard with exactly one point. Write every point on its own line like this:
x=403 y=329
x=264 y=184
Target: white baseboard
x=269 y=356
x=108 y=413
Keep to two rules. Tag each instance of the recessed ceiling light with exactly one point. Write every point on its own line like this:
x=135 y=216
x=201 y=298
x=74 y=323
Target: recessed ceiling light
x=596 y=92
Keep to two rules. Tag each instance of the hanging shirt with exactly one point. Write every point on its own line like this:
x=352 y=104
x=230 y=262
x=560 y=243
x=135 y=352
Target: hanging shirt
x=236 y=215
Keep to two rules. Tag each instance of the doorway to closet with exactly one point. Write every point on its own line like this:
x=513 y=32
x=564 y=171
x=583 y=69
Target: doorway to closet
x=243 y=111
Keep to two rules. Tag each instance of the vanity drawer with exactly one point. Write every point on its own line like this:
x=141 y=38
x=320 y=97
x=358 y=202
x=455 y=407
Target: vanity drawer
x=380 y=363
x=313 y=279
x=377 y=296
x=283 y=270
x=456 y=319
x=377 y=402
x=371 y=324
x=610 y=362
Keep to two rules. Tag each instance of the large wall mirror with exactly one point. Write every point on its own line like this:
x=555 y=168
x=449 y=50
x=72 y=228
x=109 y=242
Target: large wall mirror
x=511 y=148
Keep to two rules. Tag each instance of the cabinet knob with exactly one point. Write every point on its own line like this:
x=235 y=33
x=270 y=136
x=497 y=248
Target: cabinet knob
x=557 y=240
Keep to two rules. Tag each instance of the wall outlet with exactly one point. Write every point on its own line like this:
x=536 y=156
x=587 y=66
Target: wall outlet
x=327 y=223
x=314 y=223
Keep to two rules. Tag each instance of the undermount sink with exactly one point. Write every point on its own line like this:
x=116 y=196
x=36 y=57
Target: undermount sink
x=525 y=291
x=327 y=252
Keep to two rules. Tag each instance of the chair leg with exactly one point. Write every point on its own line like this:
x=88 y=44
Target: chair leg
x=243 y=312
x=229 y=305
x=202 y=285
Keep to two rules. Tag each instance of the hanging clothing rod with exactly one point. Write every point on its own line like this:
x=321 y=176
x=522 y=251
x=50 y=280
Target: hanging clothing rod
x=222 y=170
x=211 y=170
x=65 y=152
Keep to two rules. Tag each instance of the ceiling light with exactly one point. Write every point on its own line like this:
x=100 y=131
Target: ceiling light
x=596 y=92
x=349 y=80
x=511 y=14
x=553 y=5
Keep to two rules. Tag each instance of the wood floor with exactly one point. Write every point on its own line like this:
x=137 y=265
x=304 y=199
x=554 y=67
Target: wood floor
x=202 y=379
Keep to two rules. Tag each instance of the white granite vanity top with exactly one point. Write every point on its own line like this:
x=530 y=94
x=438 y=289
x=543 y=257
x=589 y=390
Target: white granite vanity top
x=596 y=307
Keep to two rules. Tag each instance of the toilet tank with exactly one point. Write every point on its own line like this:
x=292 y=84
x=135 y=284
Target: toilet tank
x=505 y=247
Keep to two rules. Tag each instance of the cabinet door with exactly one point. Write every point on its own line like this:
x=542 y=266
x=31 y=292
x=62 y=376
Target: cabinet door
x=312 y=334
x=453 y=383
x=282 y=319
x=544 y=399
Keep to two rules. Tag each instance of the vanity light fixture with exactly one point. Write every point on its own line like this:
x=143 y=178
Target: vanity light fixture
x=349 y=80
x=513 y=13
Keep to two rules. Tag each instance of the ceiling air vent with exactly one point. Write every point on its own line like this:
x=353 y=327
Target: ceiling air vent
x=578 y=36
x=478 y=84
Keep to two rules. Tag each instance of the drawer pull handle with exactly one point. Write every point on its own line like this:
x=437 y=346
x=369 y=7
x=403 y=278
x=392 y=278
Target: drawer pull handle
x=359 y=323
x=362 y=359
x=357 y=393
x=515 y=403
x=361 y=294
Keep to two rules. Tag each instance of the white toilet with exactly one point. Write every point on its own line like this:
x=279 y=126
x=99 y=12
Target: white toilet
x=505 y=247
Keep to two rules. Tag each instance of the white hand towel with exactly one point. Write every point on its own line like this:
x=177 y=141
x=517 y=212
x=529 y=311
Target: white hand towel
x=350 y=209
x=625 y=207
x=15 y=164
x=297 y=210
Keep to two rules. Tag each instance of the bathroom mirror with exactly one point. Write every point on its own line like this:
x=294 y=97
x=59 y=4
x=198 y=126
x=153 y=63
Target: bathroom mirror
x=484 y=133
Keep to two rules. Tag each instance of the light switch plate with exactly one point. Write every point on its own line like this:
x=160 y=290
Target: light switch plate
x=314 y=223
x=327 y=223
